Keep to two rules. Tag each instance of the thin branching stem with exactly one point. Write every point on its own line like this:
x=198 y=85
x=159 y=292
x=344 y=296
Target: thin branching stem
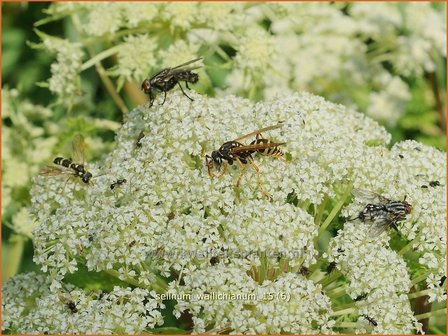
x=433 y=313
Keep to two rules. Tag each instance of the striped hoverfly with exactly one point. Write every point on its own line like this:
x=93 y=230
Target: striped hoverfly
x=70 y=167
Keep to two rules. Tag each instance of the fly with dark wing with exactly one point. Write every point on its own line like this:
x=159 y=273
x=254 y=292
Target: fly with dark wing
x=235 y=151
x=383 y=214
x=166 y=79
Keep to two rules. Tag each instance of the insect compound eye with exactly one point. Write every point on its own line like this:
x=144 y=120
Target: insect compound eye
x=146 y=85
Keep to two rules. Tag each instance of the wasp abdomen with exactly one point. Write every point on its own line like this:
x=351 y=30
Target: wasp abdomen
x=271 y=151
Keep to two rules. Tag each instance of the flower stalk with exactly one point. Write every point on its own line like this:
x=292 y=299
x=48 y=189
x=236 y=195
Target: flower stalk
x=16 y=247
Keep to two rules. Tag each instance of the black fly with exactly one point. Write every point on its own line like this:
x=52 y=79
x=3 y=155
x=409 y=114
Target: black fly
x=383 y=214
x=166 y=79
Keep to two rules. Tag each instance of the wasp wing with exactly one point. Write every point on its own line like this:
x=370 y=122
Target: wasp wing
x=369 y=196
x=78 y=148
x=255 y=147
x=56 y=171
x=259 y=131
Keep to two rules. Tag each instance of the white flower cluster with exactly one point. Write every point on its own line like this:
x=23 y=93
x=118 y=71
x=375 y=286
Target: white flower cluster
x=171 y=218
x=168 y=188
x=412 y=53
x=132 y=65
x=391 y=312
x=359 y=54
x=288 y=304
x=378 y=279
x=30 y=136
x=64 y=81
x=418 y=173
x=25 y=147
x=30 y=307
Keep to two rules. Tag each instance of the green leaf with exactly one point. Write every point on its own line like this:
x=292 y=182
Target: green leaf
x=291 y=198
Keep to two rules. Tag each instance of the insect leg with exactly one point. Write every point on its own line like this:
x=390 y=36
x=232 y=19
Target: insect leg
x=243 y=169
x=186 y=84
x=184 y=92
x=151 y=99
x=164 y=98
x=65 y=184
x=395 y=227
x=260 y=182
x=224 y=170
x=209 y=164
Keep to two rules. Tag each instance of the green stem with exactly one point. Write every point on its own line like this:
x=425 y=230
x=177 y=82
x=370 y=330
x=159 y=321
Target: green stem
x=316 y=266
x=16 y=247
x=437 y=312
x=432 y=77
x=320 y=210
x=435 y=330
x=13 y=228
x=420 y=278
x=103 y=75
x=345 y=306
x=110 y=87
x=159 y=286
x=98 y=39
x=305 y=205
x=99 y=57
x=166 y=331
x=407 y=247
x=346 y=325
x=130 y=281
x=344 y=312
x=252 y=92
x=337 y=292
x=325 y=281
x=418 y=294
x=336 y=209
x=218 y=330
x=299 y=263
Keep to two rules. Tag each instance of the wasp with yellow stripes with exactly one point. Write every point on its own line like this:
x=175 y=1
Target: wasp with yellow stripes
x=235 y=151
x=69 y=167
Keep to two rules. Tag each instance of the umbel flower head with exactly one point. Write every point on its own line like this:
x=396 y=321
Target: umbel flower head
x=173 y=229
